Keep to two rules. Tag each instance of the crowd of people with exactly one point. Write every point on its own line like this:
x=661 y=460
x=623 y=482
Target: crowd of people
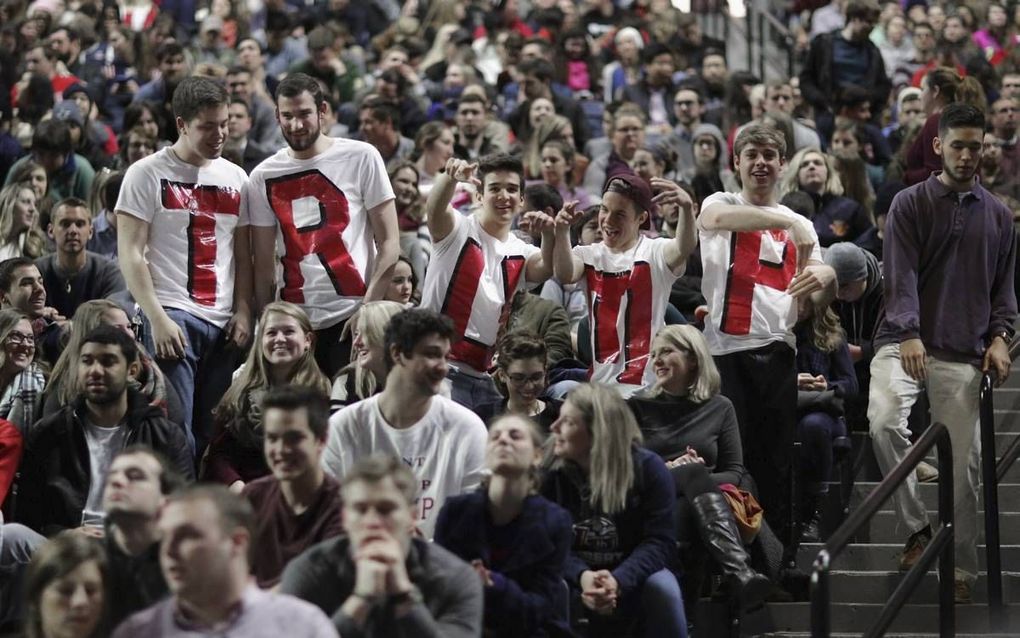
x=457 y=318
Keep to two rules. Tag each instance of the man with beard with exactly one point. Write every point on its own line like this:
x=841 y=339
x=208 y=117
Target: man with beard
x=469 y=140
x=442 y=442
x=333 y=205
x=184 y=249
x=949 y=256
x=137 y=485
x=73 y=275
x=68 y=454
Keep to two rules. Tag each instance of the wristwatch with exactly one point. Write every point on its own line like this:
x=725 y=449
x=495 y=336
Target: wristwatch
x=1004 y=335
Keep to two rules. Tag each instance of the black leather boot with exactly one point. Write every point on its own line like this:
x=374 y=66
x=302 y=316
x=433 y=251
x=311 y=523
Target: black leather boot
x=722 y=539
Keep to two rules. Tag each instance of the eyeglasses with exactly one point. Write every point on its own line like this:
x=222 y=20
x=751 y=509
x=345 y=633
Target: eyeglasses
x=20 y=339
x=521 y=379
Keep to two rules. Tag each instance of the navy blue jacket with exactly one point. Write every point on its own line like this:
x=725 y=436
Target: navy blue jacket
x=838 y=218
x=526 y=598
x=645 y=529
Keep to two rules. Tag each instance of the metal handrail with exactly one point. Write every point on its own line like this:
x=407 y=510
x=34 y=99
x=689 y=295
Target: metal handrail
x=992 y=472
x=940 y=547
x=764 y=17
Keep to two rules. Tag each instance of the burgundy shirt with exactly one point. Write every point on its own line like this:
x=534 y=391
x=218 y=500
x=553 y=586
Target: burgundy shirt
x=280 y=535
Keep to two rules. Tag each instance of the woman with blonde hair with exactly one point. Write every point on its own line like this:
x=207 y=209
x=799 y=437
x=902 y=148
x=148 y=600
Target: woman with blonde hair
x=64 y=387
x=515 y=539
x=837 y=218
x=621 y=499
x=365 y=376
x=283 y=352
x=22 y=379
x=19 y=222
x=554 y=127
x=686 y=421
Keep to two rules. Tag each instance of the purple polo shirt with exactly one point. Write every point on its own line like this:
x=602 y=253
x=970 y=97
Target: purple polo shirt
x=949 y=264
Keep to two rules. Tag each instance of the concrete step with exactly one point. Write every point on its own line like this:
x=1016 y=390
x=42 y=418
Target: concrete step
x=1009 y=495
x=856 y=618
x=884 y=556
x=876 y=587
x=883 y=529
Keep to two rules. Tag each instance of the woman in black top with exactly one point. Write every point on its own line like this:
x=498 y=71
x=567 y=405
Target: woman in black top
x=685 y=420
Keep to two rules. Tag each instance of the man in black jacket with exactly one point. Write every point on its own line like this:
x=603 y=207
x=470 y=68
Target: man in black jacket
x=846 y=58
x=68 y=454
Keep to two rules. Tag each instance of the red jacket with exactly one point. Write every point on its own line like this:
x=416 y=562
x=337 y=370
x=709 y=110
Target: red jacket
x=11 y=445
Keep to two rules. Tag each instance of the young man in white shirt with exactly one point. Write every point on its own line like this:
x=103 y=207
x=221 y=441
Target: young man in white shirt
x=478 y=265
x=184 y=248
x=442 y=442
x=332 y=205
x=760 y=259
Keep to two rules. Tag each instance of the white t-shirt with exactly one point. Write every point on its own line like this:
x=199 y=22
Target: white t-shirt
x=745 y=278
x=627 y=297
x=320 y=206
x=445 y=450
x=103 y=443
x=192 y=212
x=472 y=278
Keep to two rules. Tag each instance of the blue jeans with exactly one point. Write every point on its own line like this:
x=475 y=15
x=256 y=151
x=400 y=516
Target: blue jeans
x=201 y=377
x=657 y=606
x=17 y=544
x=471 y=391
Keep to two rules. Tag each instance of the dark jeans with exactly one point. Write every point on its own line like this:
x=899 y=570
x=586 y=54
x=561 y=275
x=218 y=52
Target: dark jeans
x=333 y=348
x=816 y=432
x=762 y=384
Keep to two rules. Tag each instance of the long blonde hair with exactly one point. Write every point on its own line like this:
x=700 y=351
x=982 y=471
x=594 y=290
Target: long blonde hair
x=550 y=128
x=613 y=431
x=706 y=382
x=826 y=332
x=791 y=178
x=370 y=322
x=35 y=243
x=255 y=374
x=88 y=316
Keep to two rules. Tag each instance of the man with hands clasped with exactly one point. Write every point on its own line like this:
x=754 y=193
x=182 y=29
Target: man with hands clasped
x=379 y=581
x=948 y=255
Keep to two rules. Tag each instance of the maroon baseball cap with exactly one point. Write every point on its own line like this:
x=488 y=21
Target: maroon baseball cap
x=637 y=190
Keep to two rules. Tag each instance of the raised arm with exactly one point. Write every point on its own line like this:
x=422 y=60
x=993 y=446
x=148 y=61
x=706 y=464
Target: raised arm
x=567 y=267
x=383 y=219
x=438 y=214
x=132 y=238
x=686 y=239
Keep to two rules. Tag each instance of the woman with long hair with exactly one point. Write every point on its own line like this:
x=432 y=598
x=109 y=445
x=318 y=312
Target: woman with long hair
x=515 y=539
x=693 y=428
x=65 y=588
x=836 y=218
x=941 y=86
x=558 y=169
x=555 y=127
x=415 y=243
x=711 y=172
x=521 y=372
x=366 y=374
x=403 y=287
x=433 y=146
x=19 y=222
x=22 y=379
x=283 y=353
x=64 y=388
x=825 y=379
x=997 y=38
x=853 y=154
x=622 y=501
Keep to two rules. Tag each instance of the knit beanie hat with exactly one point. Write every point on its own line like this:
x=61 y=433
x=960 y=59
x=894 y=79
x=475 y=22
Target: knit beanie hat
x=848 y=261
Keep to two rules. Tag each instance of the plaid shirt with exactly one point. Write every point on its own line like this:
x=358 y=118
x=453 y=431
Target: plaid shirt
x=22 y=399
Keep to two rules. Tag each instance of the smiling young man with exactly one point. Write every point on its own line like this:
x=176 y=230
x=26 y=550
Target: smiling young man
x=206 y=541
x=22 y=288
x=478 y=266
x=73 y=275
x=759 y=258
x=442 y=442
x=948 y=256
x=628 y=275
x=379 y=580
x=184 y=248
x=68 y=454
x=333 y=205
x=298 y=505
